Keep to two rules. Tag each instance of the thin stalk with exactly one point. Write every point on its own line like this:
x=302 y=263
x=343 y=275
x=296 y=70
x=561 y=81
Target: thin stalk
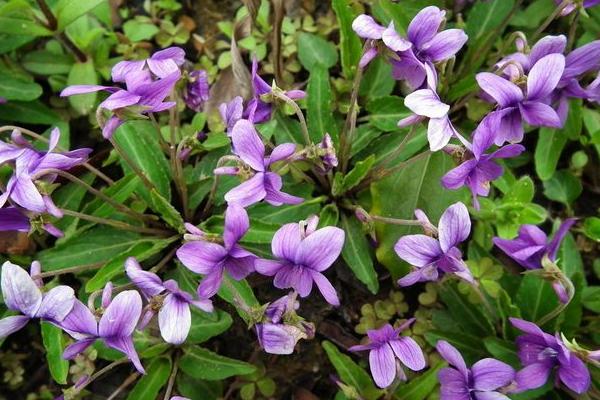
x=171 y=382
x=121 y=207
x=549 y=20
x=213 y=189
x=278 y=94
x=573 y=29
x=71 y=270
x=132 y=164
x=237 y=299
x=176 y=166
x=164 y=145
x=115 y=223
x=347 y=134
x=484 y=300
x=130 y=379
x=52 y=24
x=103 y=371
x=400 y=147
x=396 y=221
x=34 y=135
x=561 y=306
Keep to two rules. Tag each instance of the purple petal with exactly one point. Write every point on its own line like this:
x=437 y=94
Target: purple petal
x=409 y=352
x=12 y=219
x=232 y=112
x=57 y=303
x=274 y=196
x=83 y=89
x=527 y=327
x=425 y=102
x=210 y=284
x=490 y=396
x=278 y=339
x=453 y=385
x=547 y=45
x=367 y=57
x=490 y=374
x=20 y=291
x=121 y=316
x=445 y=44
x=581 y=60
x=533 y=376
x=366 y=27
x=174 y=320
x=267 y=267
x=236 y=225
x=165 y=62
x=177 y=54
x=326 y=289
x=394 y=41
x=72 y=350
x=454 y=226
x=24 y=192
x=248 y=144
x=544 y=76
x=321 y=248
x=539 y=114
x=120 y=99
x=511 y=126
x=575 y=375
x=409 y=68
x=282 y=152
x=295 y=277
x=454 y=358
x=201 y=257
x=12 y=324
x=80 y=323
x=148 y=282
x=286 y=242
x=124 y=69
x=429 y=273
x=418 y=250
x=239 y=268
x=111 y=126
x=205 y=305
x=125 y=345
x=383 y=366
x=425 y=25
x=456 y=178
x=249 y=192
x=559 y=236
x=503 y=91
x=509 y=151
x=439 y=132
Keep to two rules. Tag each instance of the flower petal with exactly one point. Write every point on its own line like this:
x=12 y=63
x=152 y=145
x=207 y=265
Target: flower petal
x=148 y=282
x=174 y=320
x=366 y=27
x=503 y=91
x=490 y=374
x=453 y=385
x=539 y=114
x=273 y=184
x=454 y=226
x=445 y=44
x=559 y=236
x=57 y=303
x=72 y=350
x=210 y=284
x=418 y=250
x=20 y=291
x=248 y=144
x=547 y=45
x=12 y=324
x=393 y=40
x=80 y=323
x=267 y=267
x=439 y=132
x=544 y=76
x=125 y=345
x=201 y=257
x=326 y=289
x=426 y=102
x=409 y=352
x=236 y=224
x=286 y=242
x=121 y=316
x=533 y=376
x=249 y=192
x=575 y=375
x=452 y=355
x=425 y=25
x=321 y=248
x=281 y=152
x=383 y=366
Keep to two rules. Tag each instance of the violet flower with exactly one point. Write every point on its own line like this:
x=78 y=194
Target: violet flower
x=231 y=113
x=197 y=91
x=515 y=106
x=303 y=253
x=142 y=90
x=541 y=353
x=385 y=346
x=13 y=219
x=22 y=293
x=174 y=316
x=480 y=169
x=366 y=27
x=263 y=184
x=432 y=257
x=31 y=166
x=277 y=337
x=213 y=260
x=573 y=4
x=487 y=379
x=328 y=157
x=115 y=328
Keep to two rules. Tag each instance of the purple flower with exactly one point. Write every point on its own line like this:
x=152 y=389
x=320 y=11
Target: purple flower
x=385 y=346
x=366 y=27
x=115 y=328
x=428 y=47
x=303 y=253
x=212 y=259
x=231 y=113
x=3 y=100
x=263 y=185
x=541 y=353
x=13 y=219
x=22 y=293
x=515 y=106
x=174 y=317
x=328 y=157
x=485 y=380
x=31 y=166
x=532 y=244
x=571 y=7
x=197 y=91
x=480 y=169
x=434 y=256
x=142 y=90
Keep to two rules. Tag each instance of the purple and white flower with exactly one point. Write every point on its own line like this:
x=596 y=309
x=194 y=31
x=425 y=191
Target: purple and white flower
x=197 y=91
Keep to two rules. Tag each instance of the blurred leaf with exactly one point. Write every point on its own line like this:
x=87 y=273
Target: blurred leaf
x=535 y=13
x=329 y=216
x=468 y=315
x=119 y=191
x=350 y=45
x=149 y=385
x=137 y=31
x=535 y=298
x=563 y=187
x=201 y=363
x=197 y=389
x=550 y=145
x=591 y=228
x=67 y=11
x=357 y=253
x=502 y=350
x=18 y=26
x=364 y=135
x=32 y=112
x=377 y=81
x=43 y=62
x=70 y=197
x=385 y=112
x=232 y=288
x=319 y=115
x=420 y=387
x=591 y=298
x=12 y=88
x=207 y=325
x=358 y=173
x=83 y=74
x=351 y=373
x=287 y=129
x=168 y=213
x=286 y=213
x=52 y=339
x=314 y=51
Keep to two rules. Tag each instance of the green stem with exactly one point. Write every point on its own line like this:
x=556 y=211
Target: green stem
x=280 y=95
x=347 y=134
x=573 y=29
x=130 y=379
x=132 y=164
x=71 y=270
x=549 y=20
x=172 y=377
x=392 y=156
x=396 y=221
x=176 y=166
x=116 y=224
x=561 y=306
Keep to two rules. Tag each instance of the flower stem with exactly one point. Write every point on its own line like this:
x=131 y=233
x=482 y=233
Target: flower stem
x=573 y=29
x=396 y=221
x=557 y=310
x=347 y=134
x=176 y=166
x=550 y=18
x=71 y=270
x=172 y=377
x=280 y=95
x=130 y=379
x=132 y=164
x=115 y=223
x=52 y=24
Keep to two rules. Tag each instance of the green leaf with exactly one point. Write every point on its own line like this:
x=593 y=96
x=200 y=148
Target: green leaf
x=535 y=298
x=286 y=214
x=118 y=191
x=137 y=31
x=70 y=197
x=358 y=173
x=141 y=250
x=470 y=346
x=287 y=130
x=157 y=375
x=68 y=11
x=329 y=216
x=13 y=88
x=350 y=45
x=502 y=350
x=232 y=288
x=196 y=389
x=31 y=112
x=314 y=51
x=207 y=325
x=549 y=147
x=376 y=81
x=319 y=115
x=96 y=245
x=43 y=62
x=201 y=363
x=532 y=16
x=18 y=26
x=420 y=189
x=385 y=112
x=350 y=373
x=139 y=140
x=591 y=228
x=420 y=387
x=83 y=74
x=54 y=344
x=591 y=298
x=357 y=253
x=168 y=213
x=563 y=187
x=469 y=316
x=259 y=232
